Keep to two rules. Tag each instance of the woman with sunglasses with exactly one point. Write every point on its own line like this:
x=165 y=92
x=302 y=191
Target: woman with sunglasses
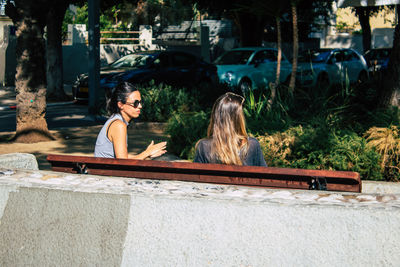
x=124 y=105
x=227 y=141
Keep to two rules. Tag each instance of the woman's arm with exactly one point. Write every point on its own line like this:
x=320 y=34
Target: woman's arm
x=152 y=151
x=117 y=133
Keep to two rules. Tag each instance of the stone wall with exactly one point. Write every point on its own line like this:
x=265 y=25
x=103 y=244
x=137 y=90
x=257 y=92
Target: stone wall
x=49 y=217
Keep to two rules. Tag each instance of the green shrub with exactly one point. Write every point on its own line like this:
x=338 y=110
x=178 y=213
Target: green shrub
x=185 y=129
x=264 y=114
x=161 y=101
x=321 y=148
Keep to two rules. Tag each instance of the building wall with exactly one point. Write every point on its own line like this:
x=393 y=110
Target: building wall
x=384 y=19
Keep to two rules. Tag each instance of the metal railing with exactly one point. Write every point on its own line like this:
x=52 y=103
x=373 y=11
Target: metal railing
x=113 y=33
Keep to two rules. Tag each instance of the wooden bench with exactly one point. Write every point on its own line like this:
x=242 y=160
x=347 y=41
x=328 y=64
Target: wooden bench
x=269 y=177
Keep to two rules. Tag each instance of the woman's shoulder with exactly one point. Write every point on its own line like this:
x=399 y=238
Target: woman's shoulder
x=117 y=126
x=253 y=141
x=205 y=142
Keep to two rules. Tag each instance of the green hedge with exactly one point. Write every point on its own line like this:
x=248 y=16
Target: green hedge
x=294 y=134
x=321 y=149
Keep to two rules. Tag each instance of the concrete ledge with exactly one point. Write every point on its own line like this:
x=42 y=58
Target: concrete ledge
x=19 y=161
x=49 y=217
x=374 y=187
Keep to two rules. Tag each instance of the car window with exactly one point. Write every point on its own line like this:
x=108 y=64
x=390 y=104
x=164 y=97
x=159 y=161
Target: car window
x=337 y=56
x=350 y=55
x=236 y=57
x=377 y=54
x=182 y=60
x=315 y=56
x=384 y=53
x=134 y=60
x=162 y=61
x=265 y=56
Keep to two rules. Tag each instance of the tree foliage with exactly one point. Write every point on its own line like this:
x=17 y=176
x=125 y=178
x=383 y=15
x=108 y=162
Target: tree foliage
x=129 y=15
x=256 y=19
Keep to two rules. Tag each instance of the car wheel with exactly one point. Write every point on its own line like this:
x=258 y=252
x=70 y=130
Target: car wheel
x=244 y=87
x=362 y=77
x=322 y=81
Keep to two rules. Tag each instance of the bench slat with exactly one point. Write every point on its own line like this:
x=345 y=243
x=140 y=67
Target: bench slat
x=270 y=177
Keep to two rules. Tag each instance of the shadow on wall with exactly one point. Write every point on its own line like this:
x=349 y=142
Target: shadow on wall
x=8 y=61
x=75 y=61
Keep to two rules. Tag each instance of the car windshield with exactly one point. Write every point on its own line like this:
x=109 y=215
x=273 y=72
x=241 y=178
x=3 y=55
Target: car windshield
x=377 y=54
x=237 y=57
x=314 y=56
x=134 y=60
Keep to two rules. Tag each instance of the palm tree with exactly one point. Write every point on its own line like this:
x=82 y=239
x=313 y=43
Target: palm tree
x=273 y=9
x=292 y=82
x=29 y=18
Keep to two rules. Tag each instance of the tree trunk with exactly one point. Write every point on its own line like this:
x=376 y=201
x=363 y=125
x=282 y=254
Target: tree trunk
x=363 y=14
x=295 y=49
x=55 y=82
x=30 y=84
x=389 y=94
x=273 y=86
x=279 y=46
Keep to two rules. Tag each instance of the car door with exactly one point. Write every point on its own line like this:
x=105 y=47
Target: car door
x=264 y=68
x=286 y=68
x=183 y=69
x=335 y=68
x=353 y=65
x=160 y=69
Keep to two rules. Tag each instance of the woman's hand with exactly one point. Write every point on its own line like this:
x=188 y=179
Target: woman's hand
x=156 y=150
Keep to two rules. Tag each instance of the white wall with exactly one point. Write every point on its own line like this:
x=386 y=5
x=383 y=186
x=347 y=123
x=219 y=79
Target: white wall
x=49 y=217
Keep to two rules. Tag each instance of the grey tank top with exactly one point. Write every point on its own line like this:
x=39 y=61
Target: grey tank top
x=104 y=147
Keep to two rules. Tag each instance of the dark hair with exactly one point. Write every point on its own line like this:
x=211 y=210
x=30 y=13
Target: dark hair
x=119 y=94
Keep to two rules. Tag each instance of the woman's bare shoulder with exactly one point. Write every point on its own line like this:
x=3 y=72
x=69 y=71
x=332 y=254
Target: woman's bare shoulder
x=117 y=126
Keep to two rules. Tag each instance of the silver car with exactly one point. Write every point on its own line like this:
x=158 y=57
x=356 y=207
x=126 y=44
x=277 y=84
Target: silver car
x=324 y=67
x=251 y=68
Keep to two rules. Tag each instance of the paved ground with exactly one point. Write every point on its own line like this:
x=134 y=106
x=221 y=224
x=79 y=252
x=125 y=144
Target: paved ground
x=76 y=140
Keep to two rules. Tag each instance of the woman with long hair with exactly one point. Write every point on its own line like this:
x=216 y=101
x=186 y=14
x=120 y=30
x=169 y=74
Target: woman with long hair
x=227 y=141
x=124 y=105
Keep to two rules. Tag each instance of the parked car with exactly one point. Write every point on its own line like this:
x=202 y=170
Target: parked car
x=377 y=59
x=251 y=68
x=324 y=67
x=169 y=67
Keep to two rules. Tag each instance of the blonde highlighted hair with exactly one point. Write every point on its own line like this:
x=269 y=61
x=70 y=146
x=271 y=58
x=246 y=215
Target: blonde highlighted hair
x=227 y=130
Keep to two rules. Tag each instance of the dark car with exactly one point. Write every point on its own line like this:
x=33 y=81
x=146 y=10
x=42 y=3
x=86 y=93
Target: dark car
x=377 y=59
x=174 y=68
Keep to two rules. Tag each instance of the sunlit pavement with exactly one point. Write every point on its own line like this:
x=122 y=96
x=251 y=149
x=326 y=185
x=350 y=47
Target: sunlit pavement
x=58 y=114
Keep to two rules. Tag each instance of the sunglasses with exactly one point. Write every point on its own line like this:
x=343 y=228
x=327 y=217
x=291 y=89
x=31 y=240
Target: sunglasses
x=135 y=104
x=233 y=95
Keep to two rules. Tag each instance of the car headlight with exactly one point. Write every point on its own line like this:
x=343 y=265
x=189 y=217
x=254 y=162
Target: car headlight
x=229 y=76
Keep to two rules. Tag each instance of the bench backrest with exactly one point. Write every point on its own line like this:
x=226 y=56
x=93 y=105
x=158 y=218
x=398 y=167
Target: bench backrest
x=269 y=177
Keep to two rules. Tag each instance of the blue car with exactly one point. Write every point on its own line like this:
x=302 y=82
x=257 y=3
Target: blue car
x=377 y=59
x=321 y=68
x=175 y=68
x=251 y=68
